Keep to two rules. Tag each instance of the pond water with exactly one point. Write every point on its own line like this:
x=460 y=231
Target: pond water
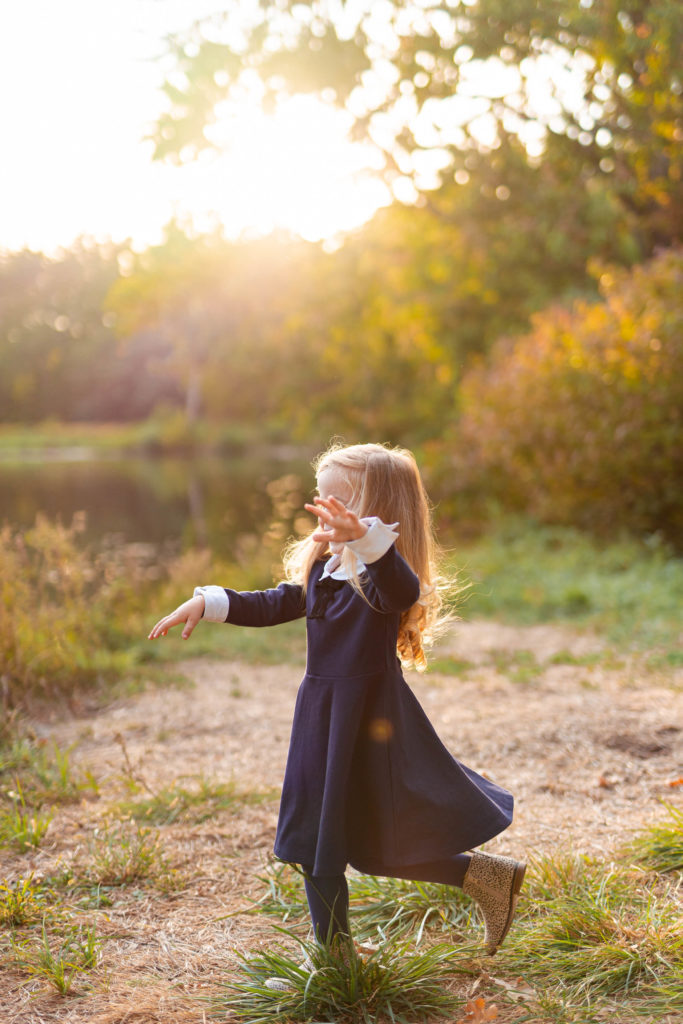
x=179 y=502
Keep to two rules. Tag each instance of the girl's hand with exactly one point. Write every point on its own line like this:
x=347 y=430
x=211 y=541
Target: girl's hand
x=338 y=525
x=190 y=613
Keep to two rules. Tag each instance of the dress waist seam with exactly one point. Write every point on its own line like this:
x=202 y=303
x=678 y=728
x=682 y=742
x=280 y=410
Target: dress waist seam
x=381 y=670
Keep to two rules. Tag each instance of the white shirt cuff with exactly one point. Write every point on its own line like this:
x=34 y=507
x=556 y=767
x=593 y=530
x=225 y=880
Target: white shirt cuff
x=376 y=542
x=216 y=603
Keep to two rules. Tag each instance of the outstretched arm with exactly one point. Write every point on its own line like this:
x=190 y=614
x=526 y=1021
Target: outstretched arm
x=239 y=608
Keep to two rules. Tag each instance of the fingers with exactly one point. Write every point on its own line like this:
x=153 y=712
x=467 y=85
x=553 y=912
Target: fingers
x=324 y=512
x=192 y=621
x=163 y=625
x=161 y=629
x=325 y=520
x=190 y=613
x=323 y=537
x=330 y=502
x=329 y=510
x=338 y=524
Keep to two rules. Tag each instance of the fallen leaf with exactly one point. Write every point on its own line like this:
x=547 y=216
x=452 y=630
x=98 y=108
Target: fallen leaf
x=477 y=1012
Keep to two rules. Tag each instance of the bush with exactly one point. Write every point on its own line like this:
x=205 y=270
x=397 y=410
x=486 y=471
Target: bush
x=64 y=608
x=580 y=421
x=75 y=615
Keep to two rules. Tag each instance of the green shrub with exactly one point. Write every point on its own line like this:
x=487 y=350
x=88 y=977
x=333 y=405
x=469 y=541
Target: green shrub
x=581 y=421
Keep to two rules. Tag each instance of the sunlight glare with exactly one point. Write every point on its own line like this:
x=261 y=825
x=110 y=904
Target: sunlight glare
x=294 y=169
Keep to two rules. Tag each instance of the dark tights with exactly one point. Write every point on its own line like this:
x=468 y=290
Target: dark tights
x=328 y=895
x=328 y=902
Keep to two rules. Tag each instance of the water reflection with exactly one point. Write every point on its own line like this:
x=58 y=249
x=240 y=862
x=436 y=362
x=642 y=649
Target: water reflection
x=184 y=502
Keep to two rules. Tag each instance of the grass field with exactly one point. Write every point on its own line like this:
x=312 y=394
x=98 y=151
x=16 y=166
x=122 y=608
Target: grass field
x=136 y=814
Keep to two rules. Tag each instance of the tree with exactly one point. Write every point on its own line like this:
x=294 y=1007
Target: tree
x=58 y=353
x=593 y=87
x=220 y=308
x=169 y=290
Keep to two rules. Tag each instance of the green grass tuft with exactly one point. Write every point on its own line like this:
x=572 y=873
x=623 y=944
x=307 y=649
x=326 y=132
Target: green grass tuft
x=589 y=931
x=21 y=902
x=21 y=826
x=390 y=983
x=44 y=771
x=399 y=908
x=660 y=846
x=178 y=803
x=60 y=960
x=123 y=853
x=284 y=896
x=448 y=665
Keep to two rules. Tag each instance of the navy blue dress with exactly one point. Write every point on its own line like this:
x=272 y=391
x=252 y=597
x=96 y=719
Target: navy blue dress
x=368 y=781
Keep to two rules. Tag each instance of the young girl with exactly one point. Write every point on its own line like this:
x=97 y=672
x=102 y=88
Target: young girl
x=368 y=782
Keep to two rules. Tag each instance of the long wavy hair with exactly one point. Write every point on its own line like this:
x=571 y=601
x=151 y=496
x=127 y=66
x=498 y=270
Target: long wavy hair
x=386 y=482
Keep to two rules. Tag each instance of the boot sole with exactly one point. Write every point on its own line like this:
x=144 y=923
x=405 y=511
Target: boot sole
x=517 y=879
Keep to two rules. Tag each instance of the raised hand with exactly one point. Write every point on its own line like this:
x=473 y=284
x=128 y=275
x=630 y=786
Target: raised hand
x=190 y=613
x=338 y=524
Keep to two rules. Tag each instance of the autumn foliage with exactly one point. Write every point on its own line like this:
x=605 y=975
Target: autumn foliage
x=394 y=332
x=580 y=420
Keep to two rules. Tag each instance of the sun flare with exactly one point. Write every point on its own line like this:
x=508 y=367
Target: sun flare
x=294 y=169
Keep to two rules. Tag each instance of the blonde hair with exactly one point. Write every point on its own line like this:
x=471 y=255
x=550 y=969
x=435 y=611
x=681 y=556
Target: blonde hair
x=385 y=482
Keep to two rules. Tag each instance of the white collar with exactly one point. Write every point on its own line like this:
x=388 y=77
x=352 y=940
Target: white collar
x=334 y=569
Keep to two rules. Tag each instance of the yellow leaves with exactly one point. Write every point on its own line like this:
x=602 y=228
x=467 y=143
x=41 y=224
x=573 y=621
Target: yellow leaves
x=439 y=271
x=586 y=407
x=630 y=370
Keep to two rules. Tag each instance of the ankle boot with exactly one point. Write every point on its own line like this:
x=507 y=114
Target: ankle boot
x=494 y=883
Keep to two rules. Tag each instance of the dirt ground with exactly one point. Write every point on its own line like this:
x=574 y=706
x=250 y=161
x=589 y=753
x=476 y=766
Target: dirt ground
x=589 y=742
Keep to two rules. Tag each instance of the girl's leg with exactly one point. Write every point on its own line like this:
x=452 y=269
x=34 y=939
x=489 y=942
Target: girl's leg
x=328 y=902
x=446 y=872
x=494 y=882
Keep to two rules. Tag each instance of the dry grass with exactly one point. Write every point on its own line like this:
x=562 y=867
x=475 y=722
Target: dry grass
x=589 y=750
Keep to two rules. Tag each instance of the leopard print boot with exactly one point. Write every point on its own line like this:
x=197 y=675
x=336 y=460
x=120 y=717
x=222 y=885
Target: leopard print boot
x=494 y=883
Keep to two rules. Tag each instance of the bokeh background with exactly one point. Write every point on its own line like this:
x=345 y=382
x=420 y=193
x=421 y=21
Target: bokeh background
x=232 y=231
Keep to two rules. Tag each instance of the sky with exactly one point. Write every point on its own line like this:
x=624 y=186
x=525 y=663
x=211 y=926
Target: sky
x=80 y=84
